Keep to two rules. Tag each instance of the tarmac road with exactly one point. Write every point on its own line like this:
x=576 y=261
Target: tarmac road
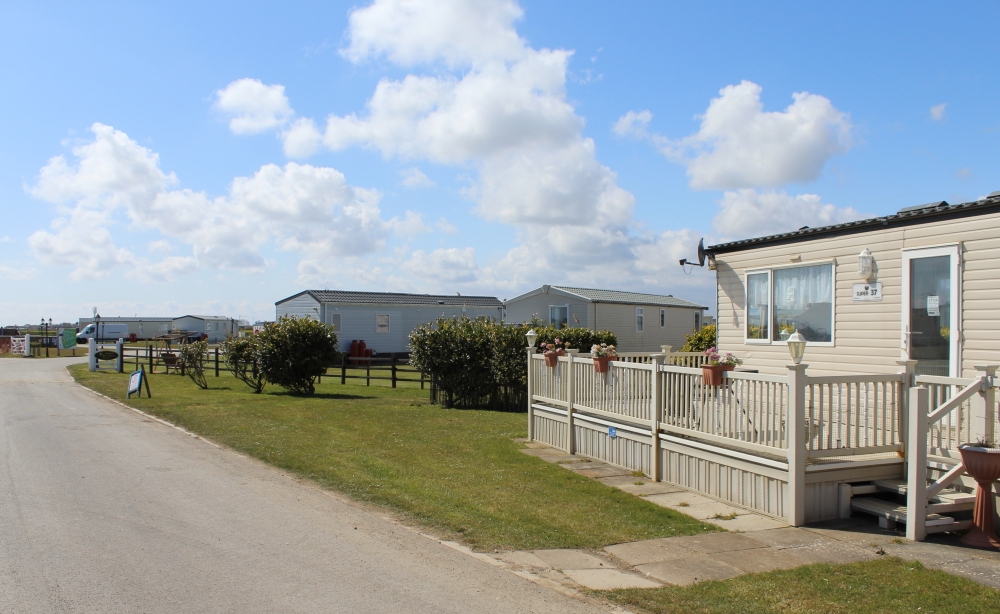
x=105 y=510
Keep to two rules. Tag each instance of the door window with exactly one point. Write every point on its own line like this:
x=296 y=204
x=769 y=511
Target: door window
x=930 y=321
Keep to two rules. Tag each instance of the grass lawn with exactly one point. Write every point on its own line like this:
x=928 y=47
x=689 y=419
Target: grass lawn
x=458 y=472
x=882 y=586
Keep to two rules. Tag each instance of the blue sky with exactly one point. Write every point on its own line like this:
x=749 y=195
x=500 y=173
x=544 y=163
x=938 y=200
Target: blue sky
x=177 y=158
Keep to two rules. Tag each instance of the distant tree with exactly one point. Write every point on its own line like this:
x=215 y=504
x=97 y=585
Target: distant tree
x=699 y=340
x=296 y=351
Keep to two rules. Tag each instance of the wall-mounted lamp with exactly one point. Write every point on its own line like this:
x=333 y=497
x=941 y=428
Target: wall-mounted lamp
x=866 y=264
x=796 y=346
x=532 y=336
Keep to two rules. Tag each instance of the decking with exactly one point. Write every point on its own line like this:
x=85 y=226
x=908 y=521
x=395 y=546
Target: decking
x=798 y=447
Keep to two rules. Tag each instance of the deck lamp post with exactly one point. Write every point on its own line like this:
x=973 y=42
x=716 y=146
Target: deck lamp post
x=532 y=336
x=796 y=346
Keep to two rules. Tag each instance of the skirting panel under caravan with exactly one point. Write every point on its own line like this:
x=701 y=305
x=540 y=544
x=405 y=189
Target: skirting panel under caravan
x=550 y=427
x=629 y=450
x=741 y=483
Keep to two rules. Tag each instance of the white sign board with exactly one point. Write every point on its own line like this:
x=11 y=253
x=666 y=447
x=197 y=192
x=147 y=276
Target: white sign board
x=933 y=305
x=867 y=292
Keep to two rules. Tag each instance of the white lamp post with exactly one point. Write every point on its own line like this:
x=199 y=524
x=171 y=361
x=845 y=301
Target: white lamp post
x=796 y=346
x=532 y=336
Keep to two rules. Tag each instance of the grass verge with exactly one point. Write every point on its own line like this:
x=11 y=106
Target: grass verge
x=883 y=586
x=459 y=472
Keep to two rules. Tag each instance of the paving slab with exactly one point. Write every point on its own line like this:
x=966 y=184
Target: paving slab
x=718 y=542
x=522 y=558
x=712 y=510
x=762 y=559
x=747 y=523
x=572 y=559
x=549 y=454
x=832 y=553
x=628 y=484
x=649 y=551
x=690 y=570
x=600 y=471
x=681 y=501
x=790 y=537
x=608 y=579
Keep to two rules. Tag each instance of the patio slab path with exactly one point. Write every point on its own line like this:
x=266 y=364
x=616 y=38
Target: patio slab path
x=753 y=543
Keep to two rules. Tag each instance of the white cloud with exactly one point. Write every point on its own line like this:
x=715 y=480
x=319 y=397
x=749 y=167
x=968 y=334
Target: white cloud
x=307 y=209
x=5 y=239
x=414 y=178
x=411 y=225
x=253 y=107
x=449 y=266
x=457 y=32
x=632 y=123
x=937 y=111
x=302 y=139
x=739 y=145
x=749 y=213
x=446 y=227
x=16 y=273
x=160 y=245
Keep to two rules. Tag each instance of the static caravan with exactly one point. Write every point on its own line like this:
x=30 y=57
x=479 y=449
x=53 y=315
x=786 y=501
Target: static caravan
x=141 y=327
x=917 y=285
x=383 y=320
x=218 y=328
x=642 y=322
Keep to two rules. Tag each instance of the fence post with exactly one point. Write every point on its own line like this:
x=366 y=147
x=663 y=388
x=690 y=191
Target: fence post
x=797 y=453
x=393 y=363
x=531 y=410
x=92 y=353
x=984 y=405
x=916 y=469
x=570 y=398
x=907 y=369
x=343 y=369
x=656 y=398
x=216 y=362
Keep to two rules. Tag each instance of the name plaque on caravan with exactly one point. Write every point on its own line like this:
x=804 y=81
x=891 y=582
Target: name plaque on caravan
x=867 y=292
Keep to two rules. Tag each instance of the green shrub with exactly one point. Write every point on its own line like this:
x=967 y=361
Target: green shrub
x=295 y=351
x=243 y=357
x=193 y=358
x=483 y=363
x=699 y=340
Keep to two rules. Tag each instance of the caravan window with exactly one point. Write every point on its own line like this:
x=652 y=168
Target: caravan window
x=639 y=319
x=382 y=323
x=559 y=316
x=783 y=300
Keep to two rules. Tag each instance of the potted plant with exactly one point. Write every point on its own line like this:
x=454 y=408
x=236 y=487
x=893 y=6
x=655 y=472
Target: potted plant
x=982 y=462
x=602 y=355
x=552 y=352
x=169 y=358
x=711 y=372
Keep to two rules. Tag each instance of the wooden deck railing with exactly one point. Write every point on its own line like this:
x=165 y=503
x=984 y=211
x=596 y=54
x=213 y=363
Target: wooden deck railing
x=853 y=414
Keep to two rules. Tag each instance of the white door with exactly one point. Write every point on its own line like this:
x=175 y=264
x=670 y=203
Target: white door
x=932 y=309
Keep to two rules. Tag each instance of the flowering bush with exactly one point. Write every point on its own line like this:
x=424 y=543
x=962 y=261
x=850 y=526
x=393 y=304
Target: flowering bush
x=714 y=358
x=603 y=351
x=552 y=348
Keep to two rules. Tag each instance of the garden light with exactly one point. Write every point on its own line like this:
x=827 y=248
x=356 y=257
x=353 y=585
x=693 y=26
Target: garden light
x=796 y=346
x=532 y=336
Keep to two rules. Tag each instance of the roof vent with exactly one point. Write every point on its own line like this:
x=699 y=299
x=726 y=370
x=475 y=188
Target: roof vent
x=940 y=203
x=804 y=228
x=545 y=289
x=994 y=194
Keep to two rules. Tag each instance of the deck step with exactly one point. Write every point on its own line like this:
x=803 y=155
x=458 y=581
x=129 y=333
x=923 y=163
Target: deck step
x=890 y=513
x=948 y=496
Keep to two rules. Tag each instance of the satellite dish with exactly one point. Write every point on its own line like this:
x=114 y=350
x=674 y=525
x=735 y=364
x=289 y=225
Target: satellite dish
x=701 y=252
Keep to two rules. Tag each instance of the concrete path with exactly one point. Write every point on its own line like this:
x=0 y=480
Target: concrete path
x=105 y=510
x=755 y=544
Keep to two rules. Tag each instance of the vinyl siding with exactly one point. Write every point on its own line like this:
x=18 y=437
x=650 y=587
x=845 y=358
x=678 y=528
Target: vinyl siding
x=538 y=305
x=621 y=319
x=867 y=336
x=301 y=307
x=358 y=322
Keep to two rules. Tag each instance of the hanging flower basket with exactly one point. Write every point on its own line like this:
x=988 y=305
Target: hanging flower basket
x=712 y=374
x=601 y=363
x=983 y=464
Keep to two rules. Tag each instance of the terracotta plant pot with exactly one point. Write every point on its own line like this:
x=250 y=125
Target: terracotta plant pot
x=712 y=374
x=551 y=359
x=601 y=363
x=983 y=464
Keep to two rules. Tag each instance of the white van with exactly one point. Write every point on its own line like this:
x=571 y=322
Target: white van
x=108 y=331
